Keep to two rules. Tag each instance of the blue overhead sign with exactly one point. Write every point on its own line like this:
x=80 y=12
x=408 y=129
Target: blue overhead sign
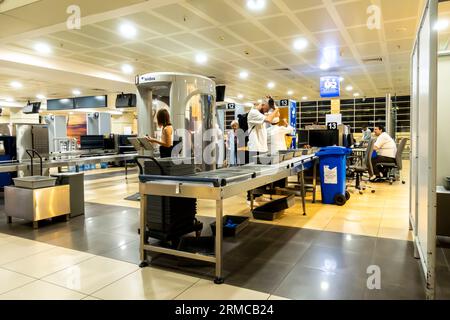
x=330 y=87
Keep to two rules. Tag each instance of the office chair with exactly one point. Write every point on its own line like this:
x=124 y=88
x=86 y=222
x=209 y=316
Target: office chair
x=393 y=168
x=365 y=166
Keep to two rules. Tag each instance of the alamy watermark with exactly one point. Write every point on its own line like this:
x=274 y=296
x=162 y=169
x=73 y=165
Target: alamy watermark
x=374 y=20
x=374 y=279
x=73 y=22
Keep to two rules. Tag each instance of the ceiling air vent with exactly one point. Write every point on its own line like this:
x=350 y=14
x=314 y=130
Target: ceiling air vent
x=282 y=69
x=373 y=60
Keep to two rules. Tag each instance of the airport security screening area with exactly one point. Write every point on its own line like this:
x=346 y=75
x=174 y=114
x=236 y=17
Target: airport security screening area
x=224 y=150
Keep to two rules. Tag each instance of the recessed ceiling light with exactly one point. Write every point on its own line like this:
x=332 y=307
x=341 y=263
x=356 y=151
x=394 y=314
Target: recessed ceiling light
x=16 y=85
x=42 y=48
x=349 y=88
x=201 y=58
x=356 y=94
x=126 y=68
x=240 y=96
x=324 y=285
x=271 y=85
x=341 y=79
x=9 y=99
x=40 y=97
x=300 y=44
x=305 y=98
x=243 y=75
x=127 y=30
x=290 y=93
x=256 y=5
x=442 y=24
x=76 y=92
x=324 y=66
x=260 y=101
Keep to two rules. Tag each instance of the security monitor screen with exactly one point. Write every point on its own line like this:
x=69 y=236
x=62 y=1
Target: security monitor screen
x=60 y=104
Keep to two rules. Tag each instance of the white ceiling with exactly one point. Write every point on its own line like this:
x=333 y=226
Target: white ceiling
x=234 y=38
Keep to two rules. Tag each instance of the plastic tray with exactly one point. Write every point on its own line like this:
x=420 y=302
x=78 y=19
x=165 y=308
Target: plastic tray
x=271 y=210
x=242 y=223
x=34 y=182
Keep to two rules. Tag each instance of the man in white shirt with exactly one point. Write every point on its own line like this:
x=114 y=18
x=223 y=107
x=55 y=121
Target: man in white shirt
x=277 y=135
x=386 y=149
x=257 y=139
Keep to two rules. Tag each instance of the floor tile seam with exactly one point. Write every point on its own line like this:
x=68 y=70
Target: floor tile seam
x=111 y=249
x=19 y=287
x=190 y=287
x=287 y=274
x=30 y=255
x=54 y=272
x=88 y=294
x=109 y=284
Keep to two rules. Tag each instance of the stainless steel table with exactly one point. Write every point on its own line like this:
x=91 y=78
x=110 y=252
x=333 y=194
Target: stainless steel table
x=217 y=185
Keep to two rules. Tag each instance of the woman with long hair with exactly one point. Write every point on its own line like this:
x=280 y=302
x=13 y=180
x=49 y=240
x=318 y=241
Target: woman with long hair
x=166 y=142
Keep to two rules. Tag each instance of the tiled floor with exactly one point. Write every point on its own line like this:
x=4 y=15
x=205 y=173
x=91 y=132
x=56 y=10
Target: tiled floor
x=322 y=256
x=54 y=273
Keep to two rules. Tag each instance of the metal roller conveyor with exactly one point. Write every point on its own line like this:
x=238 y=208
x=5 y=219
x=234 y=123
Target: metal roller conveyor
x=216 y=185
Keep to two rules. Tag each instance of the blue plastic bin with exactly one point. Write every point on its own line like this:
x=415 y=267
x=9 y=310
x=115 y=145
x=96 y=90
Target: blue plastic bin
x=333 y=166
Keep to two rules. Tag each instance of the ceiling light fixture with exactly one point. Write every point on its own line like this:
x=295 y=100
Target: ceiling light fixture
x=259 y=101
x=16 y=85
x=201 y=58
x=256 y=5
x=127 y=30
x=271 y=85
x=42 y=48
x=441 y=24
x=40 y=97
x=305 y=98
x=349 y=88
x=356 y=94
x=290 y=93
x=9 y=99
x=300 y=44
x=341 y=79
x=126 y=68
x=76 y=92
x=243 y=75
x=240 y=96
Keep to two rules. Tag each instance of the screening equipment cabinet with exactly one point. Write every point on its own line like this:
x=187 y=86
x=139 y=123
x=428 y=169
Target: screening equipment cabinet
x=217 y=186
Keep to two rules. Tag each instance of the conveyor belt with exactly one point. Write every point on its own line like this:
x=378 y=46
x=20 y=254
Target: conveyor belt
x=14 y=166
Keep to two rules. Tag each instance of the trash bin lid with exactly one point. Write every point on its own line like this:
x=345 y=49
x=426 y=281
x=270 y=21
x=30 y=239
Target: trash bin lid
x=333 y=151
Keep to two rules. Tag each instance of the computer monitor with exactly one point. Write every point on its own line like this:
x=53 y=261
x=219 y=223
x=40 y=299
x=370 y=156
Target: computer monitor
x=323 y=138
x=92 y=142
x=302 y=138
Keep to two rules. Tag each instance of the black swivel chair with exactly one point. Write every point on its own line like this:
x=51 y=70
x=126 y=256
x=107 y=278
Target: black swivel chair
x=364 y=167
x=393 y=168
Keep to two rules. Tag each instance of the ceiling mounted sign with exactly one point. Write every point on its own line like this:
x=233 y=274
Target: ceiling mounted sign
x=330 y=87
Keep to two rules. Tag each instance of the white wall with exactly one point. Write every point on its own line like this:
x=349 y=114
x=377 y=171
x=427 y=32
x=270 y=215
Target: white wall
x=443 y=152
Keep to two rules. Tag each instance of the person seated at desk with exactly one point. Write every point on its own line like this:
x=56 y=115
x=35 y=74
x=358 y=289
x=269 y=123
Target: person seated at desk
x=386 y=149
x=277 y=135
x=166 y=142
